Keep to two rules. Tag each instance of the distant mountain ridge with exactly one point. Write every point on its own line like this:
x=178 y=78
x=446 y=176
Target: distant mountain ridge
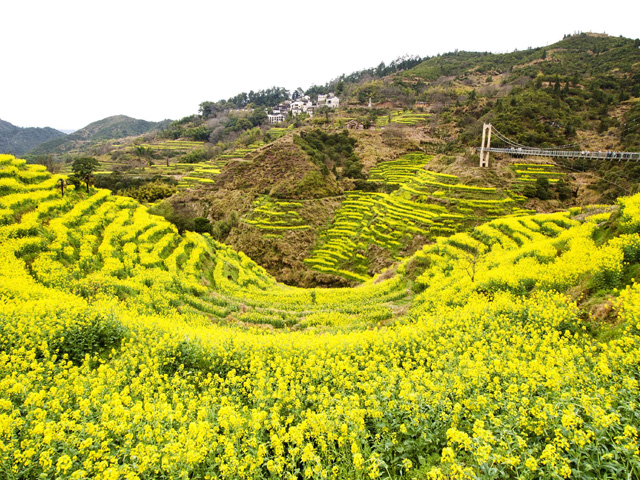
x=117 y=126
x=18 y=140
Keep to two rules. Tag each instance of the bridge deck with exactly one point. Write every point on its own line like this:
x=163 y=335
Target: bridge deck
x=541 y=152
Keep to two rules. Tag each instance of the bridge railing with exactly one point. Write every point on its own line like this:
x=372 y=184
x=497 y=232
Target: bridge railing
x=541 y=152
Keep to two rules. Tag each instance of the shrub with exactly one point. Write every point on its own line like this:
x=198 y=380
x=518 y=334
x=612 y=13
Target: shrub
x=202 y=225
x=195 y=156
x=95 y=334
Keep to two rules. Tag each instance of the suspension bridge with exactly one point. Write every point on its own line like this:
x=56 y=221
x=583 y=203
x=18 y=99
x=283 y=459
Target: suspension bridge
x=563 y=151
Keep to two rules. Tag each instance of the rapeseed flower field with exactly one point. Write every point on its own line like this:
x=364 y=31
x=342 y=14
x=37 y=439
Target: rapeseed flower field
x=128 y=351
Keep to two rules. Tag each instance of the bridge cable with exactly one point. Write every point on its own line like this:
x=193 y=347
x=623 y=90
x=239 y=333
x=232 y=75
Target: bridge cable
x=632 y=126
x=627 y=191
x=508 y=141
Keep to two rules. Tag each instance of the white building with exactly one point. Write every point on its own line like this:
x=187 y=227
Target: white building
x=329 y=100
x=301 y=106
x=332 y=101
x=276 y=117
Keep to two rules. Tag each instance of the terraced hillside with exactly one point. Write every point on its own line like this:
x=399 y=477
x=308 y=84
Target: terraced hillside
x=127 y=351
x=530 y=172
x=374 y=227
x=275 y=217
x=173 y=145
x=179 y=160
x=111 y=245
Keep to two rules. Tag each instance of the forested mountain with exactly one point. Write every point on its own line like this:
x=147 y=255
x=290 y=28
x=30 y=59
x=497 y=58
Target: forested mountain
x=118 y=126
x=19 y=140
x=582 y=85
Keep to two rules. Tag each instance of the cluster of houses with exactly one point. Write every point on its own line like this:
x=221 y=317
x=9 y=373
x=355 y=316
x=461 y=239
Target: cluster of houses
x=301 y=105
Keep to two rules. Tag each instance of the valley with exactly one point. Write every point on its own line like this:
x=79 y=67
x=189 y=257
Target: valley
x=280 y=288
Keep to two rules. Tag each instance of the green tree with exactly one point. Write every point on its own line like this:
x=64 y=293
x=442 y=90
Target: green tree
x=563 y=190
x=202 y=225
x=258 y=117
x=143 y=151
x=83 y=169
x=195 y=156
x=542 y=189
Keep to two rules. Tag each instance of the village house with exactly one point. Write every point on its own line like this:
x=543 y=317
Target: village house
x=329 y=100
x=301 y=105
x=333 y=102
x=282 y=108
x=276 y=117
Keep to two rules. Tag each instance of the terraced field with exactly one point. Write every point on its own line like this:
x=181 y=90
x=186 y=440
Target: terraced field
x=242 y=152
x=206 y=172
x=174 y=145
x=409 y=118
x=275 y=217
x=427 y=204
x=530 y=172
x=402 y=117
x=129 y=351
x=171 y=147
x=187 y=174
x=116 y=247
x=275 y=133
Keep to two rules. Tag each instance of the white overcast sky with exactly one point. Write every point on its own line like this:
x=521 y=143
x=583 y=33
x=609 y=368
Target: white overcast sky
x=68 y=63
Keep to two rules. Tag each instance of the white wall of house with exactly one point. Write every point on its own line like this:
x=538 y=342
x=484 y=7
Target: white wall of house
x=275 y=118
x=333 y=102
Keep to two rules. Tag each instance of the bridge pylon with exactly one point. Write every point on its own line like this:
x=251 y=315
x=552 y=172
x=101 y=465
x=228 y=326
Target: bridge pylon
x=486 y=143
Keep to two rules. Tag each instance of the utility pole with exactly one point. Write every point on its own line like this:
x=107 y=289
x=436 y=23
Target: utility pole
x=486 y=139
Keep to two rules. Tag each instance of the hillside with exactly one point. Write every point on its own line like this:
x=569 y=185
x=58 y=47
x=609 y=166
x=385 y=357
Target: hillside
x=270 y=206
x=319 y=205
x=582 y=89
x=129 y=350
x=581 y=54
x=18 y=141
x=115 y=127
x=292 y=206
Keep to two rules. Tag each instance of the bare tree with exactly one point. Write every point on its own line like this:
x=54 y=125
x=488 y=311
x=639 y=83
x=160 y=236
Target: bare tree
x=62 y=184
x=49 y=163
x=470 y=260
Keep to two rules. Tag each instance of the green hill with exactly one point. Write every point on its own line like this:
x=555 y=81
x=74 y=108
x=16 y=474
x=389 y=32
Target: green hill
x=118 y=126
x=580 y=54
x=334 y=208
x=574 y=90
x=18 y=141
